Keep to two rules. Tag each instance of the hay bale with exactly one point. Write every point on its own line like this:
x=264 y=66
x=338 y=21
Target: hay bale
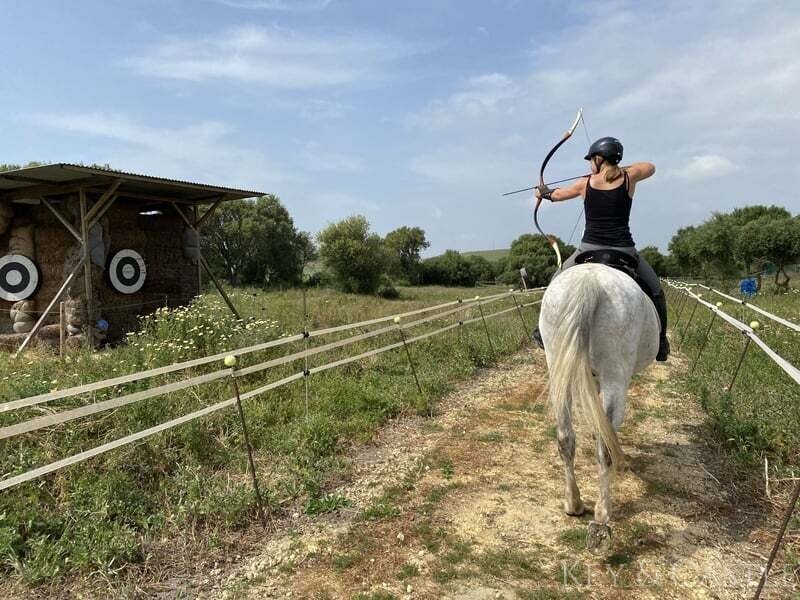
x=97 y=246
x=49 y=331
x=23 y=316
x=21 y=241
x=6 y=215
x=191 y=244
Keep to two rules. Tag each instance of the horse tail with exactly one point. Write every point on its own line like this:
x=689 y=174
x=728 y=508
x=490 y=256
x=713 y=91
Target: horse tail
x=570 y=369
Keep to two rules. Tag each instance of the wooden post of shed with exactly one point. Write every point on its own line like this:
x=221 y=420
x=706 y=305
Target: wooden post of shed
x=87 y=271
x=199 y=266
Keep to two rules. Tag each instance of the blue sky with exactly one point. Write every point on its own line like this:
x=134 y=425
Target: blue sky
x=415 y=113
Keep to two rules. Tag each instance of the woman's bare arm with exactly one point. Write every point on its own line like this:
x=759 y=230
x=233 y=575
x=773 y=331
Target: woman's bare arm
x=640 y=170
x=568 y=193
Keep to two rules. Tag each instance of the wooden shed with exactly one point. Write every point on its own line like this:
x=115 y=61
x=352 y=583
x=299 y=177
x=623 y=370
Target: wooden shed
x=105 y=246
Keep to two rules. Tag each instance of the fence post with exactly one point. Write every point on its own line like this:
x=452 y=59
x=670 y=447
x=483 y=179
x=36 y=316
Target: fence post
x=683 y=305
x=306 y=372
x=705 y=341
x=526 y=336
x=460 y=323
x=739 y=365
x=249 y=448
x=61 y=329
x=689 y=322
x=787 y=515
x=411 y=364
x=486 y=328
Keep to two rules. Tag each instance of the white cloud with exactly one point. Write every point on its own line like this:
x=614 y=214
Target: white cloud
x=480 y=96
x=279 y=5
x=198 y=152
x=274 y=57
x=715 y=81
x=316 y=159
x=705 y=167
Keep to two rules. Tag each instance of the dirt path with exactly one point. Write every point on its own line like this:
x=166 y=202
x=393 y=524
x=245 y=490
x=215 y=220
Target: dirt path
x=468 y=505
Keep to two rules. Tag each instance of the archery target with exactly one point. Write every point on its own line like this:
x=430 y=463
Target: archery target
x=127 y=271
x=19 y=277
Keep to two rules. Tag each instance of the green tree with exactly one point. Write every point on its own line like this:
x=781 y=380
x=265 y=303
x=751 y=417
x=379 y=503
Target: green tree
x=356 y=258
x=450 y=268
x=404 y=246
x=658 y=261
x=773 y=240
x=536 y=256
x=256 y=242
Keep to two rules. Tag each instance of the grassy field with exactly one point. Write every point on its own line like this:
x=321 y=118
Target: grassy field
x=190 y=484
x=761 y=415
x=490 y=255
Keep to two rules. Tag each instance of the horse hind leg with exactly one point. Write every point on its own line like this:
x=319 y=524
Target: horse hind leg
x=598 y=538
x=566 y=449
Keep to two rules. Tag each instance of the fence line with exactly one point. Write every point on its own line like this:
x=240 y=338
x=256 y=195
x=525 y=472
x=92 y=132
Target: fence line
x=62 y=417
x=138 y=376
x=748 y=331
x=753 y=307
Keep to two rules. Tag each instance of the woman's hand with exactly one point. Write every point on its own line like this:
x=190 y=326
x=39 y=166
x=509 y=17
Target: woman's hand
x=542 y=191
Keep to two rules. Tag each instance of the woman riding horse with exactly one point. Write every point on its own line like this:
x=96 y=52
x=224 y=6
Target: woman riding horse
x=607 y=198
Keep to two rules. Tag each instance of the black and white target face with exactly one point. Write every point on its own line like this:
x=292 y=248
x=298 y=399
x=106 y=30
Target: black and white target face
x=19 y=277
x=127 y=271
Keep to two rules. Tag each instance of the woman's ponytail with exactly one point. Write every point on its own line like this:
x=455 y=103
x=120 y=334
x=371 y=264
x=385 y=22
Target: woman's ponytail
x=611 y=173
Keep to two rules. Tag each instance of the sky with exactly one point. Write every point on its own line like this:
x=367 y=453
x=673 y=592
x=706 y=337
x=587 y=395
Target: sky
x=417 y=113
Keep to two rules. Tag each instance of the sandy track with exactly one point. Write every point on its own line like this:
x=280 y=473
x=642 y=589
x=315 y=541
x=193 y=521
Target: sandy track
x=468 y=505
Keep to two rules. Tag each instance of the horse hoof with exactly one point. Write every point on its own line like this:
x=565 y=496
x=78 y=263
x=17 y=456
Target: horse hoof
x=576 y=511
x=598 y=537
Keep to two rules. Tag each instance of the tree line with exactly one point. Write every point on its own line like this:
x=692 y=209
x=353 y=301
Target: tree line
x=257 y=243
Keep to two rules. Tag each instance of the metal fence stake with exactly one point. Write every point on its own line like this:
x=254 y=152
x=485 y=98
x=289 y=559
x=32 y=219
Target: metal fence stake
x=306 y=336
x=259 y=501
x=680 y=313
x=739 y=365
x=689 y=322
x=786 y=517
x=526 y=335
x=411 y=364
x=705 y=341
x=488 y=337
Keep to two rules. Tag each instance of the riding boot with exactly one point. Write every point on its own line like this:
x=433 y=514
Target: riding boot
x=663 y=343
x=537 y=337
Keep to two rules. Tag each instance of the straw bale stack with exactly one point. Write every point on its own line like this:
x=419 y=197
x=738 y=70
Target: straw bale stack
x=191 y=244
x=6 y=215
x=21 y=240
x=23 y=316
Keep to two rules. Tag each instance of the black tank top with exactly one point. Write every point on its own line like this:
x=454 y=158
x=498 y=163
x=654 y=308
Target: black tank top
x=607 y=216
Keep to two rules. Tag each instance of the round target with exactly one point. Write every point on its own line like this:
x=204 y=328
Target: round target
x=19 y=277
x=127 y=271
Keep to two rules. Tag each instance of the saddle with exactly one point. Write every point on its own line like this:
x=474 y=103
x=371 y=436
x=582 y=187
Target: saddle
x=616 y=260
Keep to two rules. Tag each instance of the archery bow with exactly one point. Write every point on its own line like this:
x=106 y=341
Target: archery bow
x=551 y=239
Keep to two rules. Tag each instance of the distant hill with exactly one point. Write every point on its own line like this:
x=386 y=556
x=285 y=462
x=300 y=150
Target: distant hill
x=490 y=255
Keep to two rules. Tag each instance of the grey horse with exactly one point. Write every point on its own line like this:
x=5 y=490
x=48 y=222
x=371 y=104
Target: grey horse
x=599 y=329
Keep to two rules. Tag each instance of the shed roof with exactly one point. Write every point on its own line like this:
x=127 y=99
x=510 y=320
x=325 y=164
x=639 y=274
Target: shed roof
x=62 y=178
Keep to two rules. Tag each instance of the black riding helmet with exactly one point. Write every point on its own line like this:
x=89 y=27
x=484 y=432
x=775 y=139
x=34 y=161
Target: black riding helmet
x=608 y=147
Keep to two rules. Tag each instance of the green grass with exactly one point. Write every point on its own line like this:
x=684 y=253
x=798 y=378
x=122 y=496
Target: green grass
x=192 y=481
x=762 y=413
x=490 y=255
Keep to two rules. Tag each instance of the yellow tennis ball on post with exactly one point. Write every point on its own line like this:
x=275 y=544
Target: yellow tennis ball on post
x=754 y=324
x=230 y=361
x=719 y=304
x=477 y=297
x=397 y=320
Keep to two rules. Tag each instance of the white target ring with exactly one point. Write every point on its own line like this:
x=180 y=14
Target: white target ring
x=127 y=271
x=19 y=277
